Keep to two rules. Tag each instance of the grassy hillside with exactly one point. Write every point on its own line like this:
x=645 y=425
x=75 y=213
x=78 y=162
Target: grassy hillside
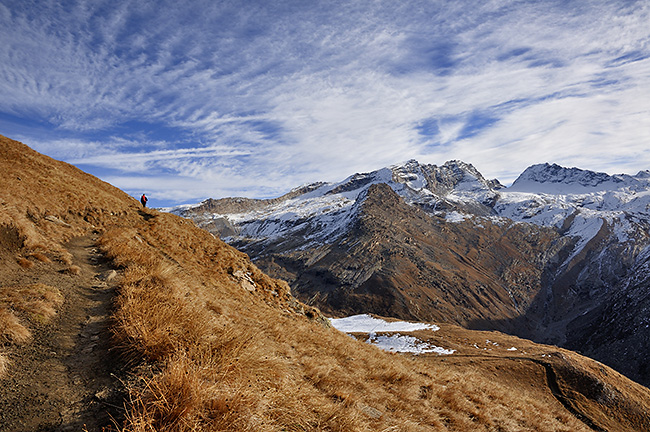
x=206 y=341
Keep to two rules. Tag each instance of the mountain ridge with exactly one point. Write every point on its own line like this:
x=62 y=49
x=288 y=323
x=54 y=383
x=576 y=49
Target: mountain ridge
x=554 y=173
x=596 y=227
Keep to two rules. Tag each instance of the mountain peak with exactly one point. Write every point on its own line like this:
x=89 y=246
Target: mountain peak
x=555 y=174
x=441 y=179
x=459 y=164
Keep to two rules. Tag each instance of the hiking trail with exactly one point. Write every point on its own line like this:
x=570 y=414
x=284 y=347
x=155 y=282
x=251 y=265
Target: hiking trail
x=65 y=378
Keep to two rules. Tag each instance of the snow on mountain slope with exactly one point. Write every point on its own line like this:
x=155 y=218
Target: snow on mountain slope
x=580 y=203
x=587 y=206
x=577 y=202
x=323 y=214
x=544 y=189
x=317 y=217
x=578 y=179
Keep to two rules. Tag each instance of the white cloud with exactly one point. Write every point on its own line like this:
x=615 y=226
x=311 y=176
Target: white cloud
x=274 y=95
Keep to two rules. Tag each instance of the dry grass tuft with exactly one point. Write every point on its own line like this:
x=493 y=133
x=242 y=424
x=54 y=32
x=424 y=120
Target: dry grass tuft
x=25 y=263
x=156 y=332
x=181 y=398
x=64 y=257
x=40 y=256
x=4 y=364
x=74 y=270
x=11 y=329
x=38 y=302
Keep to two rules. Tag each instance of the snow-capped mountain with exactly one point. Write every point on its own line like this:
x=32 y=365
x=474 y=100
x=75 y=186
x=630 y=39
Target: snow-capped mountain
x=321 y=213
x=540 y=258
x=581 y=204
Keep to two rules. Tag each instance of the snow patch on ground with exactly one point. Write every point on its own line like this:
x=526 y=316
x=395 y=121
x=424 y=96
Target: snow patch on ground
x=410 y=344
x=391 y=342
x=368 y=324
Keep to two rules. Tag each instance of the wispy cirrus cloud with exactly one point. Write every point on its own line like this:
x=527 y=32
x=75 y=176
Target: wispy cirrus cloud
x=255 y=98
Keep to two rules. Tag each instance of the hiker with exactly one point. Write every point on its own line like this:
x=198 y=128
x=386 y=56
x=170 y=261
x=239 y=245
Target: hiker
x=143 y=200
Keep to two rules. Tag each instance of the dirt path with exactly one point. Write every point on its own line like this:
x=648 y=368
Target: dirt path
x=554 y=386
x=65 y=379
x=551 y=382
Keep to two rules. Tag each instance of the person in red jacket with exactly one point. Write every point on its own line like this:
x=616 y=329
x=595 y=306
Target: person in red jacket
x=143 y=200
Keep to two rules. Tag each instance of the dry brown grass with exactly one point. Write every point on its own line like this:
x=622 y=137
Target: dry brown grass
x=11 y=329
x=25 y=263
x=216 y=345
x=40 y=256
x=231 y=359
x=4 y=364
x=38 y=302
x=73 y=270
x=46 y=202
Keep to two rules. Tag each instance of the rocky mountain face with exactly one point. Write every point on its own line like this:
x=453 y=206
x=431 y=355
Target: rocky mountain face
x=560 y=257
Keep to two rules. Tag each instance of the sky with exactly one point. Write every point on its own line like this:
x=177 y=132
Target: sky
x=186 y=100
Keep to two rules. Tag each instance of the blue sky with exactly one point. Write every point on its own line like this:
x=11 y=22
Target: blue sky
x=187 y=100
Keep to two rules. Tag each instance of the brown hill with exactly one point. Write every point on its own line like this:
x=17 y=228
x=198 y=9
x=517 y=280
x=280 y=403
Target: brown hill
x=187 y=334
x=399 y=261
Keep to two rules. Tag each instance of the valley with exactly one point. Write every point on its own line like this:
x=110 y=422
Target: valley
x=558 y=257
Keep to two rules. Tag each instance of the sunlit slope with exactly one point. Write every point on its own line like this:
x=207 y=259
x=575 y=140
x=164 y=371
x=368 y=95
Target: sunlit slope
x=212 y=343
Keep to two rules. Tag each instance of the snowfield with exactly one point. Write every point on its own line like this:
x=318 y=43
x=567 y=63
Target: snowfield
x=367 y=324
x=390 y=342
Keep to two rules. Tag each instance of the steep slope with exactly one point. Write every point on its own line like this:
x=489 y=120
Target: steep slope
x=537 y=259
x=617 y=330
x=595 y=299
x=206 y=341
x=397 y=260
x=59 y=371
